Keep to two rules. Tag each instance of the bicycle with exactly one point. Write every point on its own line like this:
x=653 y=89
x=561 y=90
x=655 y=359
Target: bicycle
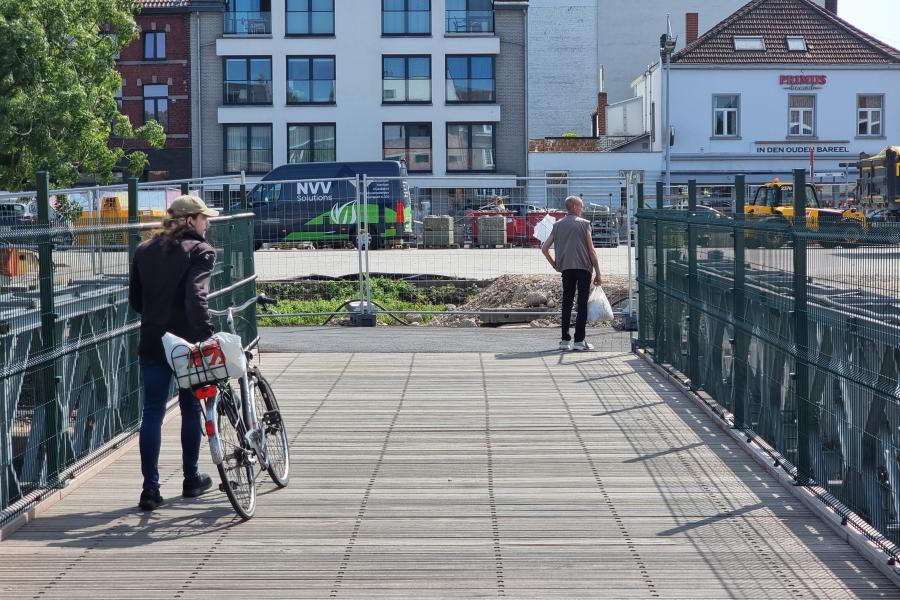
x=244 y=431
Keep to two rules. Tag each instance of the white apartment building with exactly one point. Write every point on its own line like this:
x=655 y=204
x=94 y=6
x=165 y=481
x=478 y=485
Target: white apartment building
x=439 y=84
x=578 y=48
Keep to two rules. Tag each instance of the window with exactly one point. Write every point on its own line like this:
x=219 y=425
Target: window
x=406 y=17
x=557 y=188
x=796 y=44
x=248 y=148
x=470 y=79
x=248 y=17
x=747 y=43
x=802 y=117
x=409 y=143
x=248 y=80
x=309 y=17
x=470 y=147
x=406 y=79
x=156 y=104
x=870 y=109
x=310 y=80
x=118 y=97
x=311 y=142
x=470 y=16
x=726 y=110
x=155 y=45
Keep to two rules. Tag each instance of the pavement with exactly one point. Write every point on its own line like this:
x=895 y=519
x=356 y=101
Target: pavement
x=513 y=341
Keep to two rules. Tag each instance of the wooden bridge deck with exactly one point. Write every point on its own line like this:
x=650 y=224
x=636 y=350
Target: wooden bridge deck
x=456 y=476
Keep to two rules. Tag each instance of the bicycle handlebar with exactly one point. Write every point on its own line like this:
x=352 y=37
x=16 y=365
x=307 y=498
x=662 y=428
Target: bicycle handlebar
x=262 y=300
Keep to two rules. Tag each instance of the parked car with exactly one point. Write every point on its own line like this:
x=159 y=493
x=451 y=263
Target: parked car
x=18 y=213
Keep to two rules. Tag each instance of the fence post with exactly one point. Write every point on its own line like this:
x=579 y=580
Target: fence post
x=227 y=245
x=693 y=290
x=801 y=330
x=660 y=334
x=185 y=189
x=50 y=380
x=133 y=337
x=740 y=345
x=641 y=268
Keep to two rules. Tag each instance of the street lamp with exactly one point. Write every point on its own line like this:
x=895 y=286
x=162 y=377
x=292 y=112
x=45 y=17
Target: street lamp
x=667 y=43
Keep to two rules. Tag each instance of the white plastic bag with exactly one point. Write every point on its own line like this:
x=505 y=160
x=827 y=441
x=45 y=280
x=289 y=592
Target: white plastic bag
x=544 y=228
x=219 y=358
x=599 y=308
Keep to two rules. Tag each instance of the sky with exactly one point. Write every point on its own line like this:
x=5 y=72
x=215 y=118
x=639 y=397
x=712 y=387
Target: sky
x=880 y=18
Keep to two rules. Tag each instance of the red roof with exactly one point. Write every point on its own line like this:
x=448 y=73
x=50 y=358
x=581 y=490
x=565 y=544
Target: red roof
x=829 y=39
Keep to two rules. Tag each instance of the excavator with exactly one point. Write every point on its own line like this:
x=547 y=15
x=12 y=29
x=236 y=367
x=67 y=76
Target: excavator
x=773 y=204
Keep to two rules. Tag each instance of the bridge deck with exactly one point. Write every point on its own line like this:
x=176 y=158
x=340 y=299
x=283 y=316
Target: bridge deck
x=456 y=476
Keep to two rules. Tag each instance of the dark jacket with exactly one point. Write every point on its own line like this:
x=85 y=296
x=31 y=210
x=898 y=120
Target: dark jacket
x=169 y=285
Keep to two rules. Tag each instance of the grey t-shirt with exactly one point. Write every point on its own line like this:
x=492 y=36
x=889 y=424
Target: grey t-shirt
x=572 y=251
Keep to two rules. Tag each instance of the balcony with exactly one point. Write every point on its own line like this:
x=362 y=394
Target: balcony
x=248 y=93
x=470 y=21
x=248 y=23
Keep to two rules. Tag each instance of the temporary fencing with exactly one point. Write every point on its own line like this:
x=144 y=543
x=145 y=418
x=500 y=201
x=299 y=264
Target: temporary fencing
x=783 y=315
x=70 y=382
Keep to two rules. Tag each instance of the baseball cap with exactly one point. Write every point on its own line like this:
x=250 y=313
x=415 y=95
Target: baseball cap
x=184 y=206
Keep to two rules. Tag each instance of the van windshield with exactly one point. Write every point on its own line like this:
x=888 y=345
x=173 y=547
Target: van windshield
x=265 y=192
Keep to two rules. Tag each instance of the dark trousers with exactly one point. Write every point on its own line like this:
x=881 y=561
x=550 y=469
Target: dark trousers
x=573 y=279
x=157 y=386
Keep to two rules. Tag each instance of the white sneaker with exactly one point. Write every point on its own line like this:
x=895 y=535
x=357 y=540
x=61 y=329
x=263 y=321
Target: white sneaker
x=565 y=346
x=583 y=347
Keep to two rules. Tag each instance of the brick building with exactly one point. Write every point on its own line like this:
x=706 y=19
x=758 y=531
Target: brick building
x=157 y=80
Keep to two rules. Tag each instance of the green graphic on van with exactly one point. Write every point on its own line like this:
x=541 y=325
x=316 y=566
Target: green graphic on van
x=345 y=214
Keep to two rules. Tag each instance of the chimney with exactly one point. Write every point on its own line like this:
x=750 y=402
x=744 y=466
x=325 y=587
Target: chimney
x=602 y=102
x=831 y=5
x=691 y=28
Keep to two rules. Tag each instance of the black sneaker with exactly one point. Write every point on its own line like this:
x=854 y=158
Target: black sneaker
x=150 y=500
x=196 y=486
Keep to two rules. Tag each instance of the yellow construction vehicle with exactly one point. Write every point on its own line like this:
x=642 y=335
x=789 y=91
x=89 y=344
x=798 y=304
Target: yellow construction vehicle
x=773 y=204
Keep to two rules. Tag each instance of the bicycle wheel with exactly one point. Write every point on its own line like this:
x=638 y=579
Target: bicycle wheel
x=276 y=436
x=237 y=471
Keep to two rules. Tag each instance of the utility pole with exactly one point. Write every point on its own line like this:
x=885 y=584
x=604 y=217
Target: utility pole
x=667 y=44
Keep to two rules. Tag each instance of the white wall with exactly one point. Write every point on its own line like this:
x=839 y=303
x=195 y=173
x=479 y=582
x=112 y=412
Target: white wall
x=359 y=114
x=569 y=40
x=626 y=118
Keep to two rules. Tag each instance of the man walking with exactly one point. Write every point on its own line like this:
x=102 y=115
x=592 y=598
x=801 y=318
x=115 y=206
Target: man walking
x=575 y=259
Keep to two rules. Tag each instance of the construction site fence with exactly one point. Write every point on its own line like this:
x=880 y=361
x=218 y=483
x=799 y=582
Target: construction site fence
x=70 y=382
x=787 y=323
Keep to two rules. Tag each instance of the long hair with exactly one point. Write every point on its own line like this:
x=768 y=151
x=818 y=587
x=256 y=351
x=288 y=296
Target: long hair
x=173 y=229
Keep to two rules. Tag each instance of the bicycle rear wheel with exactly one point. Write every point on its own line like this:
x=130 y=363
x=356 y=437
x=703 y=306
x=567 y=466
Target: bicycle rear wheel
x=237 y=470
x=276 y=436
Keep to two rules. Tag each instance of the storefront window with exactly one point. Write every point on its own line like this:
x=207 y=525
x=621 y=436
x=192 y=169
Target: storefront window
x=802 y=117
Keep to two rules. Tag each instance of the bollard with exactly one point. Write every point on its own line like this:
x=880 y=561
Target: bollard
x=801 y=331
x=741 y=344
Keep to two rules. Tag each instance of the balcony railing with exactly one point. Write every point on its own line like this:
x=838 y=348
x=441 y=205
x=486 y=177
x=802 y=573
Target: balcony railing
x=248 y=92
x=466 y=21
x=248 y=23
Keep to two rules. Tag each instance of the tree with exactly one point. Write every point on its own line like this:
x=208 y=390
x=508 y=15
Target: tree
x=57 y=91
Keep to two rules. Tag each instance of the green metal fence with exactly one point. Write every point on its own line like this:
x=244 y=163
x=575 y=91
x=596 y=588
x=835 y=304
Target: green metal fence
x=792 y=326
x=69 y=376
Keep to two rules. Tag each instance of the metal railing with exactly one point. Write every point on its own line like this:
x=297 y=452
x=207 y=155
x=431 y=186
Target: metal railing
x=465 y=21
x=70 y=386
x=248 y=23
x=790 y=325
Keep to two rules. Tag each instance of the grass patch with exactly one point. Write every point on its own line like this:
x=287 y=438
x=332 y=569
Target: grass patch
x=327 y=296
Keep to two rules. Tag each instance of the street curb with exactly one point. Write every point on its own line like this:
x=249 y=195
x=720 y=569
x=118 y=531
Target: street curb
x=50 y=498
x=855 y=538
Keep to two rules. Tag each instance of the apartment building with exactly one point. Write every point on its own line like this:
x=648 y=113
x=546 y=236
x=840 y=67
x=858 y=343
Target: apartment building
x=439 y=84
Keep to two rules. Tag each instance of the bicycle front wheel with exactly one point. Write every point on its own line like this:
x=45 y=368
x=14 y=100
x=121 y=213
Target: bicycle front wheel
x=271 y=420
x=237 y=470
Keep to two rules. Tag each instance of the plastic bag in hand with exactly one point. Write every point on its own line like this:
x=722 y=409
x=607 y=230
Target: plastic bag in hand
x=599 y=308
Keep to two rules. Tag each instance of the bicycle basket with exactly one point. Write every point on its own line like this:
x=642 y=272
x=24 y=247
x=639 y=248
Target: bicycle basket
x=217 y=359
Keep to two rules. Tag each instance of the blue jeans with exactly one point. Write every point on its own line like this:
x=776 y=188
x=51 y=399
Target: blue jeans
x=157 y=385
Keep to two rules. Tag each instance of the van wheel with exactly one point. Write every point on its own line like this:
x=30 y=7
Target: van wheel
x=257 y=245
x=852 y=235
x=375 y=242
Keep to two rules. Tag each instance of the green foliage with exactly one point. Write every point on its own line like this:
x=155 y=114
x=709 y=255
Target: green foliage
x=570 y=135
x=69 y=210
x=57 y=90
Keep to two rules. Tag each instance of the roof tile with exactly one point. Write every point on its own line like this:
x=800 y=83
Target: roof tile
x=829 y=39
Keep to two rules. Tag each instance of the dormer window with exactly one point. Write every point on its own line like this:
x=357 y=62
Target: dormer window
x=748 y=43
x=796 y=43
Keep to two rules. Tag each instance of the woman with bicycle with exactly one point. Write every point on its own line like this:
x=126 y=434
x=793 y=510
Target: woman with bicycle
x=169 y=286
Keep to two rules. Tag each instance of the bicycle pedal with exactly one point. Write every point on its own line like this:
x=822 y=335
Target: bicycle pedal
x=222 y=487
